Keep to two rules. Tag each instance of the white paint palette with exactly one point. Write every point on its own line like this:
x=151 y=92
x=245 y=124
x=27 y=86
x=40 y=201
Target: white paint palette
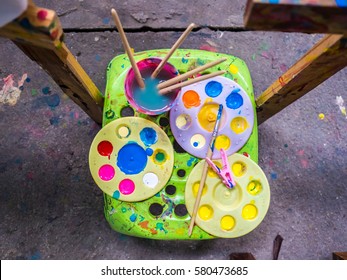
x=131 y=159
x=193 y=116
x=225 y=212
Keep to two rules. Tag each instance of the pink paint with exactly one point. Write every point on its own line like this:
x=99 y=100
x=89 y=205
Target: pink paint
x=42 y=15
x=105 y=148
x=106 y=172
x=126 y=186
x=304 y=163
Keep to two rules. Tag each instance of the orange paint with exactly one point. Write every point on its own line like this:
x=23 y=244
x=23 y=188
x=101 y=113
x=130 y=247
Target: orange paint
x=191 y=99
x=144 y=225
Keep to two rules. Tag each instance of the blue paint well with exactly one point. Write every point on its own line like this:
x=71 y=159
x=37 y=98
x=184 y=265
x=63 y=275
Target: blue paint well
x=148 y=136
x=116 y=194
x=341 y=3
x=132 y=159
x=213 y=89
x=234 y=100
x=149 y=97
x=149 y=152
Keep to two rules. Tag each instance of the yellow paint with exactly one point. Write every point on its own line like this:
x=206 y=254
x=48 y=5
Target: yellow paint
x=183 y=121
x=123 y=131
x=233 y=69
x=205 y=212
x=191 y=99
x=249 y=212
x=227 y=223
x=196 y=189
x=180 y=231
x=208 y=100
x=321 y=116
x=239 y=168
x=239 y=125
x=207 y=116
x=254 y=187
x=160 y=156
x=210 y=171
x=222 y=142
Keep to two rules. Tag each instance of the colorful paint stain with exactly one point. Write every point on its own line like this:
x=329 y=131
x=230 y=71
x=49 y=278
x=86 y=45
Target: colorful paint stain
x=191 y=99
x=159 y=156
x=132 y=159
x=148 y=136
x=192 y=161
x=254 y=187
x=160 y=226
x=126 y=187
x=105 y=148
x=106 y=172
x=234 y=100
x=222 y=142
x=53 y=100
x=116 y=194
x=233 y=69
x=227 y=223
x=42 y=15
x=213 y=88
x=133 y=217
x=46 y=90
x=207 y=116
x=239 y=125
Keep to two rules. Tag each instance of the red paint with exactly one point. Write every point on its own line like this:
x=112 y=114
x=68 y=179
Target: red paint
x=54 y=34
x=42 y=15
x=105 y=148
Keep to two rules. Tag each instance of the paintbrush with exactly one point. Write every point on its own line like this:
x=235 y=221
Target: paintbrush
x=205 y=168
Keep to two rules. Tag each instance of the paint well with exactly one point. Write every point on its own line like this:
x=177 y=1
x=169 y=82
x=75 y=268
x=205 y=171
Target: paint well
x=207 y=116
x=239 y=168
x=150 y=180
x=196 y=189
x=126 y=186
x=132 y=159
x=249 y=212
x=106 y=172
x=148 y=136
x=205 y=212
x=211 y=172
x=213 y=88
x=191 y=99
x=222 y=142
x=198 y=141
x=160 y=156
x=239 y=125
x=254 y=187
x=183 y=121
x=227 y=223
x=105 y=148
x=123 y=131
x=234 y=99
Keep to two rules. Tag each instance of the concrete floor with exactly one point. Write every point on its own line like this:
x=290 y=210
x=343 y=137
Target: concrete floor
x=49 y=203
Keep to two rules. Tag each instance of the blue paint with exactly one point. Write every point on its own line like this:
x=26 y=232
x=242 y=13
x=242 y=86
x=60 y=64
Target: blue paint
x=274 y=1
x=195 y=144
x=28 y=80
x=133 y=217
x=97 y=57
x=53 y=100
x=341 y=3
x=105 y=20
x=184 y=60
x=191 y=161
x=36 y=256
x=46 y=90
x=148 y=136
x=132 y=159
x=273 y=175
x=149 y=97
x=149 y=152
x=116 y=194
x=213 y=89
x=54 y=121
x=234 y=100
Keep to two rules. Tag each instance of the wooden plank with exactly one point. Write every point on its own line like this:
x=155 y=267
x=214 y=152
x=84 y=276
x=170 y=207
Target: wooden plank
x=38 y=33
x=339 y=255
x=61 y=65
x=320 y=16
x=322 y=61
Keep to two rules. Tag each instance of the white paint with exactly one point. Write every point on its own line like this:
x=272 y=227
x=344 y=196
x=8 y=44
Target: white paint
x=150 y=180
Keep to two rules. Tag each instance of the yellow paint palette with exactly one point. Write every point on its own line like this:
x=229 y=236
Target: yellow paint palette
x=227 y=212
x=131 y=159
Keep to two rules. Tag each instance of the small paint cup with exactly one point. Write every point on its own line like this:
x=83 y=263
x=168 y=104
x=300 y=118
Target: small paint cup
x=148 y=100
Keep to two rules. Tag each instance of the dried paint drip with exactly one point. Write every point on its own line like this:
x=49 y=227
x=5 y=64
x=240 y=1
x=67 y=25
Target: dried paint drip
x=132 y=159
x=105 y=148
x=148 y=100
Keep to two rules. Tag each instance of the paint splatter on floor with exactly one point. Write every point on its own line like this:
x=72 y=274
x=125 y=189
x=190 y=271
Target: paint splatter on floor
x=340 y=103
x=10 y=93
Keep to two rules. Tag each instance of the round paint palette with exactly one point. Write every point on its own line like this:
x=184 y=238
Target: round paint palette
x=227 y=212
x=193 y=116
x=131 y=159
